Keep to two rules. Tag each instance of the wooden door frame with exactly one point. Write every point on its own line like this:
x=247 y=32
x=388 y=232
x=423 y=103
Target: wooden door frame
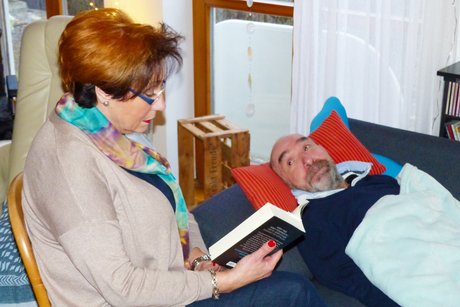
x=53 y=7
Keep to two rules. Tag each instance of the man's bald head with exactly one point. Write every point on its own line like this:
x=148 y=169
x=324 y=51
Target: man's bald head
x=303 y=164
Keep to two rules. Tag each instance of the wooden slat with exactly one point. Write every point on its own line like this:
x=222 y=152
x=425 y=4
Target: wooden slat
x=203 y=134
x=210 y=126
x=186 y=165
x=195 y=131
x=199 y=162
x=227 y=124
x=226 y=152
x=201 y=118
x=227 y=178
x=225 y=133
x=212 y=167
x=240 y=149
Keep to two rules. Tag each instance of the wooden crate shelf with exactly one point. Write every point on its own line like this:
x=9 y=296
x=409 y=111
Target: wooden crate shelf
x=209 y=147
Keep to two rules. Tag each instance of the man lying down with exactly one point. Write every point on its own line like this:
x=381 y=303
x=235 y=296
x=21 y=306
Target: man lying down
x=382 y=240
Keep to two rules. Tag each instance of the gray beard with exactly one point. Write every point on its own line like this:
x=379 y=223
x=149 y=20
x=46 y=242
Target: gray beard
x=334 y=181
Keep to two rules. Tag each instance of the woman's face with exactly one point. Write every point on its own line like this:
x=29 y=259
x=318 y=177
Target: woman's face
x=133 y=115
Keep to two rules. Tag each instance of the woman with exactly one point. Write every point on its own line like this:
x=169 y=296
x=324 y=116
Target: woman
x=106 y=217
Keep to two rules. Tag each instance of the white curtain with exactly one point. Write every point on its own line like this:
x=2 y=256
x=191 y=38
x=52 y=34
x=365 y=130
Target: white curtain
x=379 y=57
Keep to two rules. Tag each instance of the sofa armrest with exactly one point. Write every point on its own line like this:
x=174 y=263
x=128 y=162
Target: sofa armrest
x=4 y=168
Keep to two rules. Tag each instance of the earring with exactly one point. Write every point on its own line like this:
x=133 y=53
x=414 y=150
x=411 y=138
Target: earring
x=105 y=103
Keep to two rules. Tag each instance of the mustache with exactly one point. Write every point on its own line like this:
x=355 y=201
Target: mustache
x=318 y=165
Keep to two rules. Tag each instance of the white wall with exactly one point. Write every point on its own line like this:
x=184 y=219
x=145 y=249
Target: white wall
x=179 y=88
x=180 y=93
x=144 y=11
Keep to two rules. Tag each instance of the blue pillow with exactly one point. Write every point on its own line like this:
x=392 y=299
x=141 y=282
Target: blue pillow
x=333 y=104
x=393 y=167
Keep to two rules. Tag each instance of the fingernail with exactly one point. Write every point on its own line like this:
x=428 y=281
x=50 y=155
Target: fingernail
x=214 y=264
x=271 y=243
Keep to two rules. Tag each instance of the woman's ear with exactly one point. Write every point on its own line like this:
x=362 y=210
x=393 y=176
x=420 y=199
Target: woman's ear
x=101 y=95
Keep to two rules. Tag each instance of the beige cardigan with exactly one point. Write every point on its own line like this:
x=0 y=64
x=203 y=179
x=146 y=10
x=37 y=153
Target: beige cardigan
x=101 y=236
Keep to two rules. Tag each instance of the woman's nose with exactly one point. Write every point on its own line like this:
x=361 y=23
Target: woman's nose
x=160 y=104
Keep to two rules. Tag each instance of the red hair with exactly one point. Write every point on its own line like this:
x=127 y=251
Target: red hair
x=105 y=48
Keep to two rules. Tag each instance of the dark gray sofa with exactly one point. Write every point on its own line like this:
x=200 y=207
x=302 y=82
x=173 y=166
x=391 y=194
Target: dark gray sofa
x=436 y=156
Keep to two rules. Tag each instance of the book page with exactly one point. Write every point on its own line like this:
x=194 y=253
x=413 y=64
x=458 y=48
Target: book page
x=299 y=210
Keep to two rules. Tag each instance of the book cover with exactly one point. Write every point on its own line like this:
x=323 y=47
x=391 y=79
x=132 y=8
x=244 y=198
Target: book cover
x=449 y=130
x=451 y=112
x=456 y=130
x=455 y=101
x=267 y=223
x=457 y=107
x=449 y=97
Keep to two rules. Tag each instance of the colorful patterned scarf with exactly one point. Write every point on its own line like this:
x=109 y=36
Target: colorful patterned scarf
x=126 y=153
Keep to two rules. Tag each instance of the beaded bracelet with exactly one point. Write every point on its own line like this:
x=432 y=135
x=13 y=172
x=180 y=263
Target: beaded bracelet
x=215 y=287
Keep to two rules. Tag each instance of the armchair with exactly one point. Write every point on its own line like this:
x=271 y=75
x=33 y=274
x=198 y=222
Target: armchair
x=39 y=88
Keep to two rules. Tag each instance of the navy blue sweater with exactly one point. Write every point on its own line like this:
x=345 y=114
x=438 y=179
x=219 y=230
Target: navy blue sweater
x=329 y=223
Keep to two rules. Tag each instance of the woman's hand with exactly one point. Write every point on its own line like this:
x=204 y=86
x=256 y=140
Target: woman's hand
x=249 y=269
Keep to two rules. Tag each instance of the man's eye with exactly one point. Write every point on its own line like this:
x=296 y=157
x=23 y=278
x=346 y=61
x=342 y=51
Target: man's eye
x=306 y=147
x=290 y=162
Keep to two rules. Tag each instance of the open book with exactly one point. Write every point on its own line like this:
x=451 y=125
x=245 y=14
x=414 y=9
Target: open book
x=267 y=223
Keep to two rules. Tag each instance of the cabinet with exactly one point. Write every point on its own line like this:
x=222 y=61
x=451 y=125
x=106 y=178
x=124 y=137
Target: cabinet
x=450 y=112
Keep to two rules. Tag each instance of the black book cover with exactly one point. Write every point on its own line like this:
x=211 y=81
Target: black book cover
x=266 y=224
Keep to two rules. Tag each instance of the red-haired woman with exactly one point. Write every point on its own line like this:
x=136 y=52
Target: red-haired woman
x=106 y=217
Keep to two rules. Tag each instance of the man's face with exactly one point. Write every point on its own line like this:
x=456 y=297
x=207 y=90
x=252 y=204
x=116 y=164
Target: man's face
x=304 y=165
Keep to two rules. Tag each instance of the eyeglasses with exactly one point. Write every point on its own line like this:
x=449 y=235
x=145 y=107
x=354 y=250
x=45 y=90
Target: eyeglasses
x=149 y=100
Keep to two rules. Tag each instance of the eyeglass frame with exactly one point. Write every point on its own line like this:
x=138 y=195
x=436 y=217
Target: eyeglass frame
x=147 y=99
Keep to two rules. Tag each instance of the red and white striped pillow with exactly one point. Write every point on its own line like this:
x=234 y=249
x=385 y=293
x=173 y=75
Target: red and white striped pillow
x=261 y=184
x=342 y=145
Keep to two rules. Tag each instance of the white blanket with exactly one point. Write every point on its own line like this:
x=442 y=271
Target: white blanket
x=408 y=245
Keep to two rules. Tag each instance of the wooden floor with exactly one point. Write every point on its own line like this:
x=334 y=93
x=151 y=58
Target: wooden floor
x=199 y=196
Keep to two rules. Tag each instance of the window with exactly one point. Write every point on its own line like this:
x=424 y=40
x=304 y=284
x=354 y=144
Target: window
x=75 y=6
x=16 y=15
x=246 y=75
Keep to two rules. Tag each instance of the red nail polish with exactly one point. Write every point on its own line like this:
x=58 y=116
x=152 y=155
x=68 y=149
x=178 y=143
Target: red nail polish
x=214 y=264
x=271 y=243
